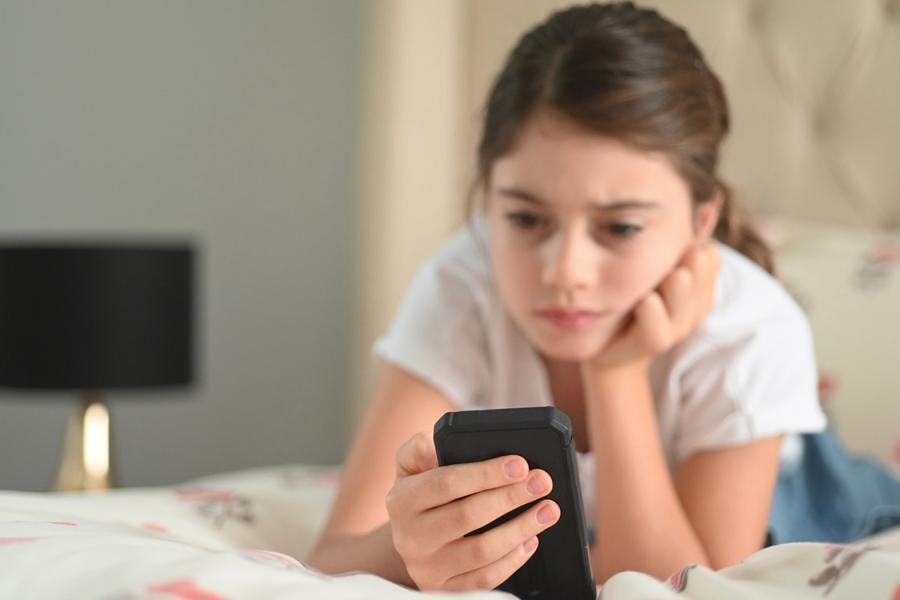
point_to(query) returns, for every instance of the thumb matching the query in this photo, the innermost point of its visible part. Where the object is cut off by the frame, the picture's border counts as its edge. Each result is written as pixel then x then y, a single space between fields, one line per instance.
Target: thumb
pixel 417 455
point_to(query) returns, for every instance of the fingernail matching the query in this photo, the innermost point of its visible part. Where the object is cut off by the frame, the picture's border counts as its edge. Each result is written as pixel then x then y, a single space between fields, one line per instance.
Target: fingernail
pixel 537 484
pixel 515 468
pixel 530 545
pixel 546 514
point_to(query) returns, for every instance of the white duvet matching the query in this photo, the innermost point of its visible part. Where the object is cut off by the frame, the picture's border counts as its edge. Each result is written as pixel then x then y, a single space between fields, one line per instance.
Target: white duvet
pixel 244 535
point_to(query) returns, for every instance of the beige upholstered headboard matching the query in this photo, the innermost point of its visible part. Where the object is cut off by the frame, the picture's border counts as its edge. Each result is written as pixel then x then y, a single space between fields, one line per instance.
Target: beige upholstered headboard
pixel 814 89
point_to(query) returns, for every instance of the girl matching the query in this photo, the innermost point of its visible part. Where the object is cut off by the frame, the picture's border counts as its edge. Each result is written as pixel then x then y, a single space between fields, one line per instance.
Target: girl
pixel 608 274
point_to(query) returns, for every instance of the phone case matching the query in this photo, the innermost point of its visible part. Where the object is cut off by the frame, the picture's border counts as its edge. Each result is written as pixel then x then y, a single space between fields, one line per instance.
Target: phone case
pixel 560 568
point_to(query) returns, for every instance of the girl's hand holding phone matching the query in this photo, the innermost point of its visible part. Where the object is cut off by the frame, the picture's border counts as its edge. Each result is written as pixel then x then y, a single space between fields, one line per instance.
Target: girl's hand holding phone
pixel 432 508
pixel 668 314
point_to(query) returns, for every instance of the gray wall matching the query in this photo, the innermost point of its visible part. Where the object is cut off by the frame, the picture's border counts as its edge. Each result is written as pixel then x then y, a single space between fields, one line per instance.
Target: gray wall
pixel 232 122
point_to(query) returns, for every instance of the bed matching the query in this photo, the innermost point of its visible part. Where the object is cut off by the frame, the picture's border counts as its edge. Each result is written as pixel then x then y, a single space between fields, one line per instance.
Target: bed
pixel 245 535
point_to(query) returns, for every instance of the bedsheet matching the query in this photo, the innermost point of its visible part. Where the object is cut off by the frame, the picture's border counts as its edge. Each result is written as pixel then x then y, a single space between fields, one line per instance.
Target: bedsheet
pixel 245 535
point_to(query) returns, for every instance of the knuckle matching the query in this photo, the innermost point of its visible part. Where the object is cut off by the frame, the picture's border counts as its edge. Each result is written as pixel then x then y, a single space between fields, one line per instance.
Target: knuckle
pixel 481 550
pixel 395 500
pixel 466 517
pixel 407 447
pixel 413 449
pixel 485 579
pixel 421 442
pixel 514 495
pixel 391 499
pixel 444 482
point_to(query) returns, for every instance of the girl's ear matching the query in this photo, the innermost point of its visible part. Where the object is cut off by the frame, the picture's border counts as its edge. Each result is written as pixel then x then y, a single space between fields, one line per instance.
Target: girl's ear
pixel 706 217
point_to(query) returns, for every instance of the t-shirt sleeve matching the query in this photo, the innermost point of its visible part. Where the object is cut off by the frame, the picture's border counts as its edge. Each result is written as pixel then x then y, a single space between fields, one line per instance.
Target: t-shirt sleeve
pixel 437 334
pixel 764 383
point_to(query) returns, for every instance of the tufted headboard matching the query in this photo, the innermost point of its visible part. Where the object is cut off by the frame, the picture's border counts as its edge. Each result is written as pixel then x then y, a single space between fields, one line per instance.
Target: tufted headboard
pixel 814 90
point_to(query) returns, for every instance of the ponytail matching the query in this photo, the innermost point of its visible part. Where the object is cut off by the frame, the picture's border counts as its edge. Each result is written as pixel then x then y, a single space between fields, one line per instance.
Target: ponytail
pixel 734 230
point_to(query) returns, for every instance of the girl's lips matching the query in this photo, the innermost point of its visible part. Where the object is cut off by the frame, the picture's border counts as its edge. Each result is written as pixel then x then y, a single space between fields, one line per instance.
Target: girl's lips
pixel 570 319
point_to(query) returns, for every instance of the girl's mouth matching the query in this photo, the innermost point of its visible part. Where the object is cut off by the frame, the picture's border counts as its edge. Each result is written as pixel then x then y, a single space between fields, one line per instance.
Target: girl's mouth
pixel 570 319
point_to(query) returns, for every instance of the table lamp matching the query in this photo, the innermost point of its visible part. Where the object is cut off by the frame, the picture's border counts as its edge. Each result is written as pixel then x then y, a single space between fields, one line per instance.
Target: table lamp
pixel 89 317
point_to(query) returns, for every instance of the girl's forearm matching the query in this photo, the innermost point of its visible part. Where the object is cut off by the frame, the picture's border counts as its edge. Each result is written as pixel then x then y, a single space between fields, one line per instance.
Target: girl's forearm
pixel 640 522
pixel 372 552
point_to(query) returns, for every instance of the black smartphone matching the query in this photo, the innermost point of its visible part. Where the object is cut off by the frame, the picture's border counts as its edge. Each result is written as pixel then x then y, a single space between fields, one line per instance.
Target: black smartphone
pixel 560 568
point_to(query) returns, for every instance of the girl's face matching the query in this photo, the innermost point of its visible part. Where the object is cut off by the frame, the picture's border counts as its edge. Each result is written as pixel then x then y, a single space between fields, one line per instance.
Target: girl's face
pixel 582 227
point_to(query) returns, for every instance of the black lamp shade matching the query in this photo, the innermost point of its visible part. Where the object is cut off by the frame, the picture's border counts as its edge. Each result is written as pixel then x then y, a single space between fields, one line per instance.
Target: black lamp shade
pixel 96 316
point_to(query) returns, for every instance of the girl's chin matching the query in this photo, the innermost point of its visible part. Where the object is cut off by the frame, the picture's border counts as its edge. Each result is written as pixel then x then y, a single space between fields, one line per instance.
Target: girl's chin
pixel 571 349
pixel 570 345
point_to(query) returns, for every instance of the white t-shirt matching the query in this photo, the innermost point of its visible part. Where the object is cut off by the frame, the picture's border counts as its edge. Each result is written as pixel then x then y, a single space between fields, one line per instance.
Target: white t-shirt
pixel 748 371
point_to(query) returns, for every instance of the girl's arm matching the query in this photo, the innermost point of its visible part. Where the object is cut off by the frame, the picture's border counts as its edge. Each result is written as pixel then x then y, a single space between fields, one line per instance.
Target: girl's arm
pixel 357 536
pixel 714 513
pixel 716 509
pixel 371 552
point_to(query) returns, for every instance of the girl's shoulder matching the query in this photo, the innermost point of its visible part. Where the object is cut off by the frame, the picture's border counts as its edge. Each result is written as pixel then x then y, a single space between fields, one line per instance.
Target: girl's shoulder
pixel 748 298
pixel 462 267
pixel 465 254
pixel 443 329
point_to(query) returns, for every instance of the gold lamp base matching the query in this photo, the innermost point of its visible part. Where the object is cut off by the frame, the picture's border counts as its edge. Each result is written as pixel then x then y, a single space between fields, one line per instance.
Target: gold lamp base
pixel 86 460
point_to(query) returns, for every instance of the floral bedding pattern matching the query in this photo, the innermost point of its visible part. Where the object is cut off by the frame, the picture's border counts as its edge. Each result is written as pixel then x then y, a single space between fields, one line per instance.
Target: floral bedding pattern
pixel 245 535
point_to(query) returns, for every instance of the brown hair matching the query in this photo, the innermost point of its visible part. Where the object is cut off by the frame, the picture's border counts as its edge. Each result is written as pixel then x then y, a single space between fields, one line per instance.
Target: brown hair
pixel 627 72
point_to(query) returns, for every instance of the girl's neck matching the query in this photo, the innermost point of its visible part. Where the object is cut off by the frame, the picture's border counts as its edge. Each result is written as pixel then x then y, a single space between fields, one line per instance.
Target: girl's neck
pixel 564 381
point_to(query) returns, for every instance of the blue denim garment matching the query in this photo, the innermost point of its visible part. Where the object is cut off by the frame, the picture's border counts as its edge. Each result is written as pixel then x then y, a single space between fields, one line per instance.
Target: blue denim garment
pixel 832 495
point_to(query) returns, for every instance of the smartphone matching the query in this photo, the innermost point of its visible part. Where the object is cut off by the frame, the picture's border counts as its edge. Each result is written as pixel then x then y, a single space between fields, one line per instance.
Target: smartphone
pixel 560 567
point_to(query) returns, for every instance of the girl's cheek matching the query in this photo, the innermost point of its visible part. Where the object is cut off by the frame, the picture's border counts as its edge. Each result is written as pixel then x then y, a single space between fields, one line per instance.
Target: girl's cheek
pixel 627 283
pixel 518 277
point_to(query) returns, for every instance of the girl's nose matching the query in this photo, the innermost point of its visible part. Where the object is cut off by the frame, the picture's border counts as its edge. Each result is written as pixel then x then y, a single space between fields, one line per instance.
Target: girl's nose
pixel 570 263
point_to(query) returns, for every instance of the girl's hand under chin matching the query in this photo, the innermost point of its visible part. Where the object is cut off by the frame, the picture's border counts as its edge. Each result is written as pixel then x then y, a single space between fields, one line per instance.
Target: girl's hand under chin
pixel 667 315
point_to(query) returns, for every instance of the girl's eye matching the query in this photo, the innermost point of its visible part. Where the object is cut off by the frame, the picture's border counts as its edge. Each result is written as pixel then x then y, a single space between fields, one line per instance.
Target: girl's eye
pixel 525 220
pixel 623 230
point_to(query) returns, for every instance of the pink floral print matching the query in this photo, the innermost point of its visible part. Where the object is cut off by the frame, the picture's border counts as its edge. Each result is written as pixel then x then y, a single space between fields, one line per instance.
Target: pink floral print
pixel 679 580
pixel 842 558
pixel 273 559
pixel 184 589
pixel 878 264
pixel 8 541
pixel 220 506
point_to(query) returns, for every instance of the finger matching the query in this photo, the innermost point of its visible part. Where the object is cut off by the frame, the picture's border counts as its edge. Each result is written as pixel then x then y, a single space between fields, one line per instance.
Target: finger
pixel 678 294
pixel 453 521
pixel 445 484
pixel 704 264
pixel 417 455
pixel 655 329
pixel 713 258
pixel 493 574
pixel 472 553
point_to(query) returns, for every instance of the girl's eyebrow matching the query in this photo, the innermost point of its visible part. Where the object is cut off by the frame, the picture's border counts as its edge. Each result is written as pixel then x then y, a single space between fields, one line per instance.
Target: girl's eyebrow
pixel 621 204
